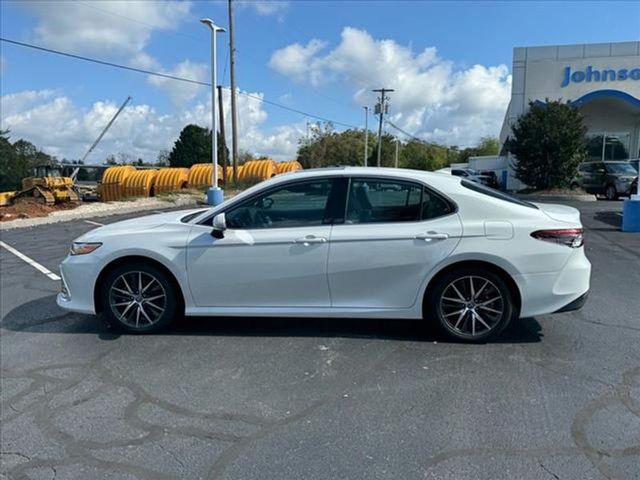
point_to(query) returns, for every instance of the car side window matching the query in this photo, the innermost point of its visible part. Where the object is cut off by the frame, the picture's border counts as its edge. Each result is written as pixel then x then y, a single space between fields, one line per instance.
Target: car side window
pixel 373 201
pixel 300 204
pixel 434 205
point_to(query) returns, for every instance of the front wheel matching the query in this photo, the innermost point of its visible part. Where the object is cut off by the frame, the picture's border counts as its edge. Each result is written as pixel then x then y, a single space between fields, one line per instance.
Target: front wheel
pixel 611 193
pixel 138 298
pixel 471 304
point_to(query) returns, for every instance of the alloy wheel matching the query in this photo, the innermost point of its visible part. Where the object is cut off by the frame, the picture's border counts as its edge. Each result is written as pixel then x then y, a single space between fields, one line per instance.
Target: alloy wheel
pixel 137 299
pixel 471 306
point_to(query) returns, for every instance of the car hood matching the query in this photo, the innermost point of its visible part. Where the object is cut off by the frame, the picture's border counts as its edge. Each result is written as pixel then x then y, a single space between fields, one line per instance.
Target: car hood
pixel 138 224
pixel 561 213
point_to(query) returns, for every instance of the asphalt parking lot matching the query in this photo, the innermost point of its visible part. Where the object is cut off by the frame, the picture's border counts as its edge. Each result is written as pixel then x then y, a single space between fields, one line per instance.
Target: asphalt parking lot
pixel 556 397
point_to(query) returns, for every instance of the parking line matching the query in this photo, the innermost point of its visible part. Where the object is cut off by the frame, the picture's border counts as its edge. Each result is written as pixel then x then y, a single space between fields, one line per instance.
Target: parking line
pixel 94 223
pixel 30 261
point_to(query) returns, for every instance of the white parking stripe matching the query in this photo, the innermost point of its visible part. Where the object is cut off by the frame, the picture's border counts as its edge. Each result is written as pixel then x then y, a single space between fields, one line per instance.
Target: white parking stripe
pixel 158 211
pixel 30 261
pixel 94 223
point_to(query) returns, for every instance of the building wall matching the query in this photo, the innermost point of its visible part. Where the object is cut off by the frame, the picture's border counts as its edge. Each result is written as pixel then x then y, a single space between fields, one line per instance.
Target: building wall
pixel 569 72
pixel 541 72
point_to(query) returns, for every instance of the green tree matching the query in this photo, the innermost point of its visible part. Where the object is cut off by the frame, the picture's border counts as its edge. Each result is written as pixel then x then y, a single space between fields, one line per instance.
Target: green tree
pixel 549 144
pixel 487 146
pixel 423 156
pixel 194 146
pixel 11 168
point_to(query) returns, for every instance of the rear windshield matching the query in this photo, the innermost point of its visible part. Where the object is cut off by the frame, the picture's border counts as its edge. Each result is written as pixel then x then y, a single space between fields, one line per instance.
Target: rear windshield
pixel 478 187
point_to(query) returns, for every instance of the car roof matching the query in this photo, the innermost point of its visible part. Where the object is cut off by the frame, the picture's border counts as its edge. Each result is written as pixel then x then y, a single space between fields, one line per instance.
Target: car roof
pixel 372 172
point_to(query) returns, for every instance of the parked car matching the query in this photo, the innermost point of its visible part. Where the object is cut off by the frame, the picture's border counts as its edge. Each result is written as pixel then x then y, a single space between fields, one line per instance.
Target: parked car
pixel 493 178
pixel 348 242
pixel 472 175
pixel 610 179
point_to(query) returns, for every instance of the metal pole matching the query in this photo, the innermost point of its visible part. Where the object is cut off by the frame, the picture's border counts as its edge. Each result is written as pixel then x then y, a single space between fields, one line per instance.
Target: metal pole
pixel 214 105
pixel 215 195
pixel 366 134
pixel 234 112
pixel 397 147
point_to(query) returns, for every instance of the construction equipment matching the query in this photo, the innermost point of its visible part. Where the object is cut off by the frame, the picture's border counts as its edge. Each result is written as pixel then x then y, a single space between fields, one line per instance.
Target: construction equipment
pixel 47 185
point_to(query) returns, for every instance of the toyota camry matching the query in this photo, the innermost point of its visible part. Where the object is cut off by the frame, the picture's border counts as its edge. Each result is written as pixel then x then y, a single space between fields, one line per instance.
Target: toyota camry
pixel 338 242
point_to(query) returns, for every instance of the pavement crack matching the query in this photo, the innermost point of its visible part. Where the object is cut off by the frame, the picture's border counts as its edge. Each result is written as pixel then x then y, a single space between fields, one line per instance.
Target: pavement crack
pixel 542 465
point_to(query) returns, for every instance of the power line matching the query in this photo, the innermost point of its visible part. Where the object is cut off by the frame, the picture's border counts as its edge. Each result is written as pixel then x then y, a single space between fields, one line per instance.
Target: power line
pixel 140 22
pixel 171 77
pixel 102 62
pixel 391 124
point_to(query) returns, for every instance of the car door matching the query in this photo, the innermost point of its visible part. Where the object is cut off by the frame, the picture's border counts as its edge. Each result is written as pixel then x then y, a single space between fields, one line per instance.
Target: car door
pixel 394 233
pixel 273 253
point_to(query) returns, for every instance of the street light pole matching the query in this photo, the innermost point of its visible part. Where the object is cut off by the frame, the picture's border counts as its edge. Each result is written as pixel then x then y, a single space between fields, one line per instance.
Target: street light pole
pixel 215 195
pixel 366 134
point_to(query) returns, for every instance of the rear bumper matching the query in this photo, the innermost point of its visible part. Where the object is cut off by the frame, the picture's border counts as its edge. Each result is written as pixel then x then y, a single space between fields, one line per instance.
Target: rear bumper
pixel 551 292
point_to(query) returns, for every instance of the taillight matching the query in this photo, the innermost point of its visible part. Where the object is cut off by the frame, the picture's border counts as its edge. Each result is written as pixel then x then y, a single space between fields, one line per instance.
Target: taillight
pixel 571 237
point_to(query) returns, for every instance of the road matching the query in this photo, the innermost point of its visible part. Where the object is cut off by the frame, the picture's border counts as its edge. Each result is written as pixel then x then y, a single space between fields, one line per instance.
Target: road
pixel 556 397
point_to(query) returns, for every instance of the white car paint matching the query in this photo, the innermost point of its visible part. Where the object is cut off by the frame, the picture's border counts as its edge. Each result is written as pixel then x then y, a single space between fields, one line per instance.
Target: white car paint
pixel 365 270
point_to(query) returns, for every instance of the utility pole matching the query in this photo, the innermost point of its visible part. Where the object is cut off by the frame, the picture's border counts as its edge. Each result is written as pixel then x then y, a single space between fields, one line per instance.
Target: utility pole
pixel 397 147
pixel 222 135
pixel 234 113
pixel 382 107
pixel 366 134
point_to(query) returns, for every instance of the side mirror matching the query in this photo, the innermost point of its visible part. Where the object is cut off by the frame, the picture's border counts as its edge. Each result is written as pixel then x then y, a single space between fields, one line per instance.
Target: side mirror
pixel 219 226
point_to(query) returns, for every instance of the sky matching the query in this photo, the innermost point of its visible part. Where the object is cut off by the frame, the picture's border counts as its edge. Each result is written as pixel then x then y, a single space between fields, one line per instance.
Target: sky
pixel 448 62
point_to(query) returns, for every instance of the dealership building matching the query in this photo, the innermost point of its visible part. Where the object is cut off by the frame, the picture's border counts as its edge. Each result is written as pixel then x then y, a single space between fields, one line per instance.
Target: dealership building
pixel 601 79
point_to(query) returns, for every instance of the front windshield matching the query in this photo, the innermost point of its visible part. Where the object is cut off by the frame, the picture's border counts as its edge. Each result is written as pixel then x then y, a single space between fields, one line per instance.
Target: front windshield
pixel 621 168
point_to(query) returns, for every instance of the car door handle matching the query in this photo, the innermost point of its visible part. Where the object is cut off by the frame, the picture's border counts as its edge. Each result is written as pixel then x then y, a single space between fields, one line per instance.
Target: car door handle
pixel 427 236
pixel 309 239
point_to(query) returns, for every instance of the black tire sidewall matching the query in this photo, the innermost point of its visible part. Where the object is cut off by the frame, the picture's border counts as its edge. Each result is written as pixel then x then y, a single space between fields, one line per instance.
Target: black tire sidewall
pixel 433 301
pixel 611 197
pixel 169 288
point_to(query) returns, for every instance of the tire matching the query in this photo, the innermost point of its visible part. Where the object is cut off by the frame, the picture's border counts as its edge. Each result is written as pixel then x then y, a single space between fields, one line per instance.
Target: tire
pixel 611 193
pixel 129 311
pixel 464 318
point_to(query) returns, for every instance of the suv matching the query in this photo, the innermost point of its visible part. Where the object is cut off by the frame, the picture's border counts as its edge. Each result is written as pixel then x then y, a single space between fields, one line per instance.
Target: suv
pixel 611 179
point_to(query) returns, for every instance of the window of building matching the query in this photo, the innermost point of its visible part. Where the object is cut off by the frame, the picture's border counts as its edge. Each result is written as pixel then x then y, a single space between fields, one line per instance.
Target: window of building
pixel 608 146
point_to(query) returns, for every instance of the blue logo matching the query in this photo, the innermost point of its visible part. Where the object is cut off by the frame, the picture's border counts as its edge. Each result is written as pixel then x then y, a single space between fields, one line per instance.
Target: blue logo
pixel 604 75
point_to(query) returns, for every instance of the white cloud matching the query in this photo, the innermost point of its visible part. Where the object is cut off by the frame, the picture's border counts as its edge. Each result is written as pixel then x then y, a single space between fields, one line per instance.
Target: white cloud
pixel 432 98
pixel 267 7
pixel 182 92
pixel 55 124
pixel 106 27
pixel 299 62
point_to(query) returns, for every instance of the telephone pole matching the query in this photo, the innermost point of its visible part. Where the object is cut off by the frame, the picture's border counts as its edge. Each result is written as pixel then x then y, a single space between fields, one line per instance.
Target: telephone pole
pixel 224 138
pixel 366 134
pixel 234 113
pixel 382 107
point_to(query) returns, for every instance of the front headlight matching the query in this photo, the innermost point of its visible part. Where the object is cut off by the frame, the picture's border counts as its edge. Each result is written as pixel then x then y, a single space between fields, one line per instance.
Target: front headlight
pixel 82 248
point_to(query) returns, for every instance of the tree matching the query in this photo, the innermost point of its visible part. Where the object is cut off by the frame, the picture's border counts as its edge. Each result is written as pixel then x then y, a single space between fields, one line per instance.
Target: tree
pixel 487 146
pixel 549 144
pixel 194 146
pixel 163 158
pixel 423 156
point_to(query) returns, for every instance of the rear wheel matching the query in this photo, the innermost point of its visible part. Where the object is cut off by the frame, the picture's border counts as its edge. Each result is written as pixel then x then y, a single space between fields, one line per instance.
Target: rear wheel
pixel 471 304
pixel 138 298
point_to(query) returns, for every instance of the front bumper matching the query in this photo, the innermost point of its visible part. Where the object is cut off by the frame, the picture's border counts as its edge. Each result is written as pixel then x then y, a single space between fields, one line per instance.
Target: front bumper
pixel 577 304
pixel 78 275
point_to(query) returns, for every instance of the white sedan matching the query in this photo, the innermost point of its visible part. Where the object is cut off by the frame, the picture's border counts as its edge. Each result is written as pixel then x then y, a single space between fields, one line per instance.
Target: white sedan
pixel 338 242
